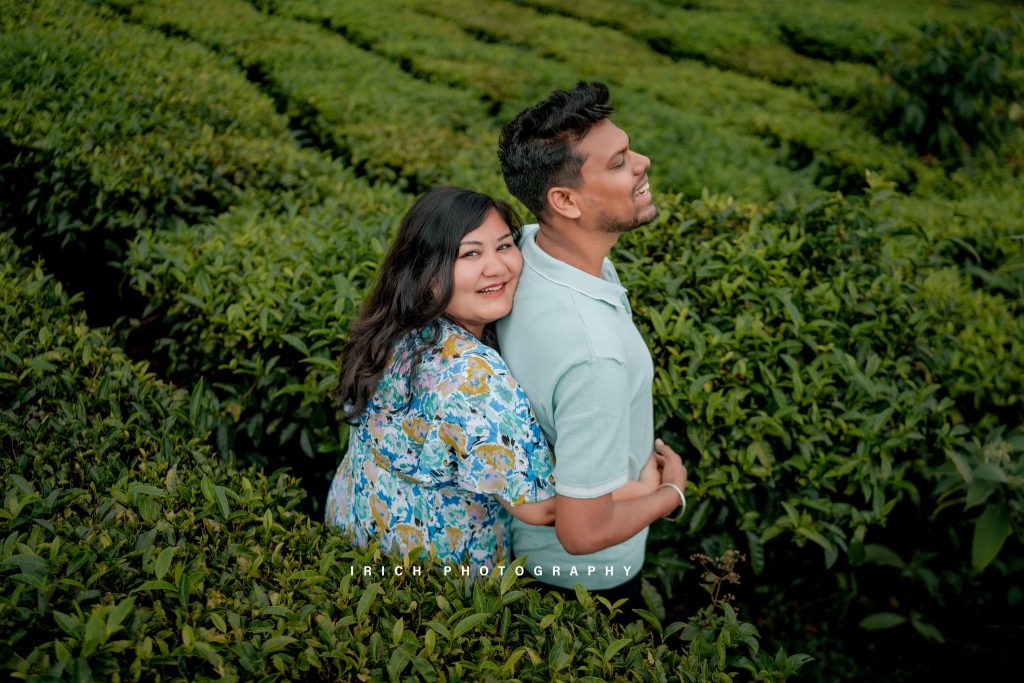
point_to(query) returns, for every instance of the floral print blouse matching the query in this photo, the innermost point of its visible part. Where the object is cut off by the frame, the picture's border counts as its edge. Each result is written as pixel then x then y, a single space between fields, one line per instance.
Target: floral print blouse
pixel 425 462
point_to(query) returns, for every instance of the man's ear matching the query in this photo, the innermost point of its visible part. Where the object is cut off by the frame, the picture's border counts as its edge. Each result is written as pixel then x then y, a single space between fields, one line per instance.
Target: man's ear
pixel 564 202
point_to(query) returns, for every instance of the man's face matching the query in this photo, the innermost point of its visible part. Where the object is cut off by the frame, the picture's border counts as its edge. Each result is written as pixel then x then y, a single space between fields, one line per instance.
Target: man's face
pixel 615 195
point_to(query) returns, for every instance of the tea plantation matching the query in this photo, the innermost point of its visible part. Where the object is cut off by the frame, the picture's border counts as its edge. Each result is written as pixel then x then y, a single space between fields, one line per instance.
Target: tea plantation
pixel 195 195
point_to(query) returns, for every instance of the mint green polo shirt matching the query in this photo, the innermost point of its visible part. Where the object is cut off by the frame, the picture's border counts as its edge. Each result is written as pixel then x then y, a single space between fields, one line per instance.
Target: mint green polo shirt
pixel 571 343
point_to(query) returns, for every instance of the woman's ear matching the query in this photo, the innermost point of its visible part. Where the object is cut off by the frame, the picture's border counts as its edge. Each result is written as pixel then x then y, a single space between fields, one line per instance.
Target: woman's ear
pixel 563 201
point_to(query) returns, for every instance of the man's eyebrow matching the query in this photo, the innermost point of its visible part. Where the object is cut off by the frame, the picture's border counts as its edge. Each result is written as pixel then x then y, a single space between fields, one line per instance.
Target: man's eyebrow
pixel 621 152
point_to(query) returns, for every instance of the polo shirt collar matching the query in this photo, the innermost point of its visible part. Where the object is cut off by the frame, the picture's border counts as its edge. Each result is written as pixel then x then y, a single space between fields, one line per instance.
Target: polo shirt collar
pixel 605 288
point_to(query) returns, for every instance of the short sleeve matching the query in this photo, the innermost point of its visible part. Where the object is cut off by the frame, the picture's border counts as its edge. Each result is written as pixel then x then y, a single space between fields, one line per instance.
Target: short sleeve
pixel 591 418
pixel 499 448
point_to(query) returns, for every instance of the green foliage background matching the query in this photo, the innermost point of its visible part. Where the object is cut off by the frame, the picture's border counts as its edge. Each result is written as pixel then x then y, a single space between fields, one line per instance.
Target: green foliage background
pixel 832 296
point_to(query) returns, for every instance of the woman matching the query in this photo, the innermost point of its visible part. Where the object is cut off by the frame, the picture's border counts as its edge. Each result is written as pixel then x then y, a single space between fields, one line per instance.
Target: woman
pixel 444 446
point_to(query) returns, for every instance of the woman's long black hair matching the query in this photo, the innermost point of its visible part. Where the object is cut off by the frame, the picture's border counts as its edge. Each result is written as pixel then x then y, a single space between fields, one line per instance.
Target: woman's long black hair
pixel 413 288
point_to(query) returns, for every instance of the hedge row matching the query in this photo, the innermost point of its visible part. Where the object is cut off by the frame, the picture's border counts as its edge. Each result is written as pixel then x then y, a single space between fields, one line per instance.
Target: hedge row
pixel 106 126
pixel 746 40
pixel 418 149
pixel 130 551
pixel 389 125
pixel 260 305
pixel 143 134
pixel 833 146
pixel 858 32
pixel 233 299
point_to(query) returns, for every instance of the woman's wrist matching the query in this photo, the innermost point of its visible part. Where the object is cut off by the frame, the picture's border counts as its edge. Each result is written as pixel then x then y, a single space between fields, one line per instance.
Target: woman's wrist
pixel 681 504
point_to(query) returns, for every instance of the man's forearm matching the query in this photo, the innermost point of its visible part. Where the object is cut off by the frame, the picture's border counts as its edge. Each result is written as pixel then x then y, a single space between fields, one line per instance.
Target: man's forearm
pixel 586 525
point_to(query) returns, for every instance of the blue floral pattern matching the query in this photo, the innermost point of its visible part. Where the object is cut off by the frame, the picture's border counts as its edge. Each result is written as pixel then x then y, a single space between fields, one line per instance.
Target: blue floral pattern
pixel 426 462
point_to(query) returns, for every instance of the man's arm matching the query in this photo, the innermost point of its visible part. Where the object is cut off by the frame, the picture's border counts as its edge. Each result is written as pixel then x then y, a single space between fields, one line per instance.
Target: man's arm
pixel 586 525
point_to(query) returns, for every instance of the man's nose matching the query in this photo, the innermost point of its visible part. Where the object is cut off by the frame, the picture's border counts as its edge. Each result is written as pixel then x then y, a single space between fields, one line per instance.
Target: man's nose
pixel 643 163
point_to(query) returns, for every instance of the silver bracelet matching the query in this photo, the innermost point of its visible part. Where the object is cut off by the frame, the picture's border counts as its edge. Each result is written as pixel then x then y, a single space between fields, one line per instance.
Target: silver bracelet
pixel 682 498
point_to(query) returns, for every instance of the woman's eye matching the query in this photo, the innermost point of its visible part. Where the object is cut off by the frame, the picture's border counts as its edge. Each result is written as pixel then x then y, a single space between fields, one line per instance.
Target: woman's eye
pixel 469 253
pixel 503 247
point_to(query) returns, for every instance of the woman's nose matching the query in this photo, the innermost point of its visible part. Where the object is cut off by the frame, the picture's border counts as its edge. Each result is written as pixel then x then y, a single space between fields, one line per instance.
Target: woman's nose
pixel 494 264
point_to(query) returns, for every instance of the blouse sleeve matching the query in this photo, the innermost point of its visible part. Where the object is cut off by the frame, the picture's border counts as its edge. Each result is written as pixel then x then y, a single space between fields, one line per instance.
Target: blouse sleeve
pixel 498 446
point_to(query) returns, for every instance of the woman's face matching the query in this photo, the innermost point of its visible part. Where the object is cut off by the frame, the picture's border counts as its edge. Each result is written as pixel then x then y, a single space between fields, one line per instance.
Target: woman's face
pixel 486 274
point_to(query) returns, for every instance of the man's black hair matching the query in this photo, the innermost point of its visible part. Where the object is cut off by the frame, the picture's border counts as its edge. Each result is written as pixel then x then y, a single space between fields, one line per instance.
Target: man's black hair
pixel 537 149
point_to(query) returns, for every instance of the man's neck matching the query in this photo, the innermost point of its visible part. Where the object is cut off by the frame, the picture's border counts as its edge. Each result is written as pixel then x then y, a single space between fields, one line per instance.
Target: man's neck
pixel 581 250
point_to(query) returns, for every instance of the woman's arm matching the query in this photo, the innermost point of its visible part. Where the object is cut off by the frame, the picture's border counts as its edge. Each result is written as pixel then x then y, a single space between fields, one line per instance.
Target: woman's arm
pixel 538 514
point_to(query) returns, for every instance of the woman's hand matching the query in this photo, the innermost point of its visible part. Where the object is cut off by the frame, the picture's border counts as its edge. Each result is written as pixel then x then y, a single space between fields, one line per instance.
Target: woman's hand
pixel 650 475
pixel 647 482
pixel 672 469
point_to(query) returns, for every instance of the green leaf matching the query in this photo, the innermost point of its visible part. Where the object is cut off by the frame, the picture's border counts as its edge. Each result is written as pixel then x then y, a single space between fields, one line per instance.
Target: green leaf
pixel 219 622
pixel 962 468
pixel 398 661
pixel 95 634
pixel 468 623
pixel 206 486
pixel 882 620
pixel 509 577
pixel 70 625
pixel 441 629
pixel 928 631
pixel 875 553
pixel 990 532
pixel 222 501
pixel 978 492
pixel 163 562
pixel 989 471
pixel 423 668
pixel 296 343
pixel 154 586
pixel 366 599
pixel 615 647
pixel 756 552
pixel 197 397
pixel 650 619
pixel 118 615
pixel 276 643
pixel 831 552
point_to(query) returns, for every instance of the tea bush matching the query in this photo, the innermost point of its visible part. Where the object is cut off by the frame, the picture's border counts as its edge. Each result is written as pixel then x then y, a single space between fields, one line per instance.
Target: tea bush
pixel 955 88
pixel 108 127
pixel 829 145
pixel 259 305
pixel 409 130
pixel 130 551
pixel 742 38
pixel 387 124
pixel 844 391
pixel 844 373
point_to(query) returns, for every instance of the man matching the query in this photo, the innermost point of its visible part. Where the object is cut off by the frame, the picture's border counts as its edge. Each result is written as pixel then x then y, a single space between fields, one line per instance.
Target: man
pixel 571 342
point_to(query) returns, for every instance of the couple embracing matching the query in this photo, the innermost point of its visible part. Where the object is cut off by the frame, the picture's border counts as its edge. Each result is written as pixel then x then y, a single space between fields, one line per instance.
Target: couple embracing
pixel 545 449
